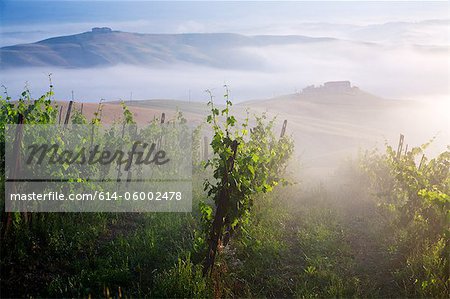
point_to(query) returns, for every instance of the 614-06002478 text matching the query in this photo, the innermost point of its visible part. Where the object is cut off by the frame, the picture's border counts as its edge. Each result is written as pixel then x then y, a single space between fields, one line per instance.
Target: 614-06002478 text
pixel 106 196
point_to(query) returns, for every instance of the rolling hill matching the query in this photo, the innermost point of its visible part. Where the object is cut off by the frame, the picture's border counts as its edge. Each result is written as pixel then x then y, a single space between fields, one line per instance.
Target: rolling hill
pixel 105 47
pixel 327 125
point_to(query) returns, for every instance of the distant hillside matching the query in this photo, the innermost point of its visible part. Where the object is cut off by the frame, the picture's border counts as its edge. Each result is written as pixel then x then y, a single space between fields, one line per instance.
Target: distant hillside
pixel 328 122
pixel 112 112
pixel 105 47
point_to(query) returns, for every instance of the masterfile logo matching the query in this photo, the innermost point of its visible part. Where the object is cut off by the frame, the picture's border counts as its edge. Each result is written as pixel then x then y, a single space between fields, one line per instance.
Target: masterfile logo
pixel 77 168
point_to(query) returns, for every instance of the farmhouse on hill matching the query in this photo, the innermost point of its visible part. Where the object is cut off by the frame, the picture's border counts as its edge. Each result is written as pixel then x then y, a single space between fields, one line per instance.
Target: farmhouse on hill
pixel 331 87
pixel 101 30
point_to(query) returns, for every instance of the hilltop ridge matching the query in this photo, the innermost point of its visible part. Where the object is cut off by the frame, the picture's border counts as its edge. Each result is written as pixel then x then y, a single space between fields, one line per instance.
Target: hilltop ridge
pixel 103 46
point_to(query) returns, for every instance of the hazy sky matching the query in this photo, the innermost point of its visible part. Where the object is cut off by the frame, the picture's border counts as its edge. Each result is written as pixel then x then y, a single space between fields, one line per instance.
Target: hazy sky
pixel 176 12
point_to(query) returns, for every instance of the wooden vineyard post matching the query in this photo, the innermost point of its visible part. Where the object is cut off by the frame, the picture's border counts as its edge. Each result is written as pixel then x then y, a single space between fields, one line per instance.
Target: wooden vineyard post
pixel 422 160
pixel 130 174
pixel 160 140
pixel 283 130
pixel 60 114
pixel 69 109
pixel 13 172
pixel 119 167
pixel 400 146
pixel 215 237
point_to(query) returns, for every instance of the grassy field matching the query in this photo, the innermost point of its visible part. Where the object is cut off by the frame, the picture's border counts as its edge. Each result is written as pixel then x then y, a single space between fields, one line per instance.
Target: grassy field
pixel 304 242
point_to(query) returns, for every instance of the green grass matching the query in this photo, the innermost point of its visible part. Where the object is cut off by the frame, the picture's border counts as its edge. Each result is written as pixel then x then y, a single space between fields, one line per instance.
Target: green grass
pixel 305 243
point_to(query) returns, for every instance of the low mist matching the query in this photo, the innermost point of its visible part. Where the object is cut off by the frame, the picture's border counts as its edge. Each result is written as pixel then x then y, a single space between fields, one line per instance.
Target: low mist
pixel 401 72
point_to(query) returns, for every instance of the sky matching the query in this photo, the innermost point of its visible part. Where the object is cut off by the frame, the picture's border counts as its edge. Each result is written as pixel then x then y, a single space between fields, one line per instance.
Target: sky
pixel 203 16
